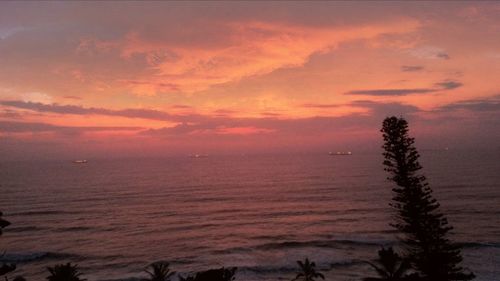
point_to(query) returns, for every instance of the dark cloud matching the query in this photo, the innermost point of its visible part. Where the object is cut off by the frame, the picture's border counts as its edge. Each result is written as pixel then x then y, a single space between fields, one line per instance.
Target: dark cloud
pixel 443 55
pixel 79 110
pixel 33 127
pixel 313 125
pixel 55 108
pixel 391 92
pixel 193 125
pixel 478 105
pixel 440 86
pixel 411 68
pixel 449 85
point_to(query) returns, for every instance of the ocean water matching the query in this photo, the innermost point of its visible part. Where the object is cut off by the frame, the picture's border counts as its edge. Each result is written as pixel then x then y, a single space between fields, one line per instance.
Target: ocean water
pixel 260 213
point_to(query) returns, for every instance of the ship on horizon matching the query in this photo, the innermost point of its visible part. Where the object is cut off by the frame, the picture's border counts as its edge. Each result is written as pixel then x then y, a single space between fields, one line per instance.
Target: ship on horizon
pixel 331 153
pixel 198 155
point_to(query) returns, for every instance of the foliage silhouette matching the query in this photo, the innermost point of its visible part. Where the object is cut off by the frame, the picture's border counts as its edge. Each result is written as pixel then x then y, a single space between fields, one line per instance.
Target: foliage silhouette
pixel 3 223
pixel 221 274
pixel 425 230
pixel 159 271
pixel 64 272
pixel 390 266
pixel 307 271
pixel 5 267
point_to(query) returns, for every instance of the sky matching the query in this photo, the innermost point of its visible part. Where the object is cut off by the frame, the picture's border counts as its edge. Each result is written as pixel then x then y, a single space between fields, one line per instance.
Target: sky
pixel 90 79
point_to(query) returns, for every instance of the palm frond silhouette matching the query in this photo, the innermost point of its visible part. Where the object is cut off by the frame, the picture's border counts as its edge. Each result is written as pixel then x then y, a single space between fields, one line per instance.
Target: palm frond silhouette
pixel 390 266
pixel 159 271
pixel 64 272
pixel 307 271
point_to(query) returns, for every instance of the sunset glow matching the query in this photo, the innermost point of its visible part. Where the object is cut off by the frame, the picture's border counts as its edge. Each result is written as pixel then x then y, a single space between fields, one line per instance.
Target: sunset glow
pixel 160 78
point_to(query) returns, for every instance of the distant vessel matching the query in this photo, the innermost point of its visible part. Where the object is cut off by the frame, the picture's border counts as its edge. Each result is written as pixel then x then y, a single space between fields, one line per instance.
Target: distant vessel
pixel 340 153
pixel 80 161
pixel 198 155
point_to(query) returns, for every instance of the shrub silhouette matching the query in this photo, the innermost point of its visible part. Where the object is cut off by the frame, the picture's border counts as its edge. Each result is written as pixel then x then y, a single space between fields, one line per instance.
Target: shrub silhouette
pixel 3 223
pixel 221 274
pixel 5 267
pixel 307 271
pixel 159 271
pixel 64 272
pixel 390 266
pixel 425 230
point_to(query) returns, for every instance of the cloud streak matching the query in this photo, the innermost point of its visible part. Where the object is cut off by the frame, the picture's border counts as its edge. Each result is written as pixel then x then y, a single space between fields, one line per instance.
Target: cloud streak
pixel 390 92
pixel 448 85
pixel 441 86
pixel 35 127
pixel 491 104
pixel 79 110
pixel 412 68
pixel 218 124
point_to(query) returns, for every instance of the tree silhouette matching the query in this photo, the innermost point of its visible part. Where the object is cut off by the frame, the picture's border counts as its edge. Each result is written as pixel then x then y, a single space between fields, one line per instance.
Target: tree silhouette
pixel 425 230
pixel 3 223
pixel 390 266
pixel 64 272
pixel 5 267
pixel 307 271
pixel 159 271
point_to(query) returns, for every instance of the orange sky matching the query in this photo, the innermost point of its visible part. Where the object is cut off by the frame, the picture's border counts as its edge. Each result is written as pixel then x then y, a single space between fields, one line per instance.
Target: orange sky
pixel 153 78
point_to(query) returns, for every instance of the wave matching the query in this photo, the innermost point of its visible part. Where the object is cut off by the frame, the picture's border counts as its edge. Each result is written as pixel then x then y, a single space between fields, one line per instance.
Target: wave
pixel 20 229
pixel 334 244
pixel 306 244
pixel 72 229
pixel 320 244
pixel 24 229
pixel 36 256
pixel 293 267
pixel 44 213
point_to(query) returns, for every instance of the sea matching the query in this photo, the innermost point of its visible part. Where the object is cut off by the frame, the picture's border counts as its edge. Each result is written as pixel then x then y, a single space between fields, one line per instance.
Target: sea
pixel 260 213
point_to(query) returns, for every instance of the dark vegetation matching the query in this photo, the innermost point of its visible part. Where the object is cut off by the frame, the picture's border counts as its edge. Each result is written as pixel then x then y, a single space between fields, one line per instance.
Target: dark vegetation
pixel 159 271
pixel 426 252
pixel 64 272
pixel 308 271
pixel 389 266
pixel 5 267
pixel 424 229
pixel 221 274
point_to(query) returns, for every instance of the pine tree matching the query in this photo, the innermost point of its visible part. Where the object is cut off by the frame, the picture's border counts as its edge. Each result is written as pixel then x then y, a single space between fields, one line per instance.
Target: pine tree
pixel 424 229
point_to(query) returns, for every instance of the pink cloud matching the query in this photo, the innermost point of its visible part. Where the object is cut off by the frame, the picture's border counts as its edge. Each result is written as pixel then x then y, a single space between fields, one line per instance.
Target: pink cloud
pixel 248 49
